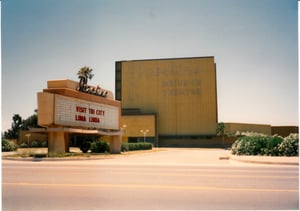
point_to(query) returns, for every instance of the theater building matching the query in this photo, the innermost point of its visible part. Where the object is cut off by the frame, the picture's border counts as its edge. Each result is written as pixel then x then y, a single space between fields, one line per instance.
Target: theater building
pixel 168 101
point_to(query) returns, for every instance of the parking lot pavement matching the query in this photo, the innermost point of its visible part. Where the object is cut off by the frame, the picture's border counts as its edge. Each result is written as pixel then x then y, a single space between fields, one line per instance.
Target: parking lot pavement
pixel 173 156
pixel 169 156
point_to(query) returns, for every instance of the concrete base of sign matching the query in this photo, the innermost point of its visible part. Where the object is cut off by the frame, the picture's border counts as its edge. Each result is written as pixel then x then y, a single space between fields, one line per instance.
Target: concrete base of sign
pixel 58 138
pixel 58 142
pixel 115 144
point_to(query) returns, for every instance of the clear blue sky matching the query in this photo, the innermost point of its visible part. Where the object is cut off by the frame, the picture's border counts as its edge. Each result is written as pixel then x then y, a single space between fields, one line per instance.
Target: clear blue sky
pixel 254 42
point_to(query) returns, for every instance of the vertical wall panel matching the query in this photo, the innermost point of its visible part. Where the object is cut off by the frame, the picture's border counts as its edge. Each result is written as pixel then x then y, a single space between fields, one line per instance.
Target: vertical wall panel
pixel 181 91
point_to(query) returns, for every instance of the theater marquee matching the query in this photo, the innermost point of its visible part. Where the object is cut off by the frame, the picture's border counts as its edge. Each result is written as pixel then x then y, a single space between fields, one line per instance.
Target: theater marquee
pixel 81 113
pixel 61 105
pixel 65 109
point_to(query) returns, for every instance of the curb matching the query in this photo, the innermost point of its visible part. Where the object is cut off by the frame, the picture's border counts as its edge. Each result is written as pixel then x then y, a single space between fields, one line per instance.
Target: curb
pixel 51 159
pixel 247 159
pixel 294 161
pixel 71 158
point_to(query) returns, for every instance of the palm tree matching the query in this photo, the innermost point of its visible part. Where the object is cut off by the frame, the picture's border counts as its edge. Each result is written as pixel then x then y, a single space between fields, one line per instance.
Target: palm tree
pixel 220 130
pixel 84 74
pixel 17 124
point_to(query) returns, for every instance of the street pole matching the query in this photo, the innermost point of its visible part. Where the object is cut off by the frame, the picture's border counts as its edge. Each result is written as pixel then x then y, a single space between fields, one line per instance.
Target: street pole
pixel 123 128
pixel 144 132
pixel 28 135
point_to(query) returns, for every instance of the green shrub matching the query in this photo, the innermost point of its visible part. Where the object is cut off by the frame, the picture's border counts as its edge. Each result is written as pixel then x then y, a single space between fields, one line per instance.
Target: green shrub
pixel 124 147
pixel 249 145
pixel 85 146
pixel 44 144
pixel 272 144
pixel 99 147
pixel 8 146
pixel 136 146
pixel 35 144
pixel 289 146
pixel 24 145
pixel 255 144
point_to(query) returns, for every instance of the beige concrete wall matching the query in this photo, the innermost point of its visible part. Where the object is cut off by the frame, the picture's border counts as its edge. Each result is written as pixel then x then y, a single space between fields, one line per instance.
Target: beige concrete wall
pixel 135 123
pixel 284 130
pixel 58 142
pixel 215 141
pixel 45 108
pixel 181 91
pixel 40 137
pixel 62 84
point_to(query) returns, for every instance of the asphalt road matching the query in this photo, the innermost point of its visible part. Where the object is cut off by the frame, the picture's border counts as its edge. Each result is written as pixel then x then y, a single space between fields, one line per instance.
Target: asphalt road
pixel 170 179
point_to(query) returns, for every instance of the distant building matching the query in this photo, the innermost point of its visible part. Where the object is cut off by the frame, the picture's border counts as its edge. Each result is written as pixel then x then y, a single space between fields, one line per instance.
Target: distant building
pixel 284 130
pixel 237 128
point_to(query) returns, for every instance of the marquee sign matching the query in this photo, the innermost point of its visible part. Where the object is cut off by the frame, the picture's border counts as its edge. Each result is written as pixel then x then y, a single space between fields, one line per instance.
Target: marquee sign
pixel 63 109
pixel 95 90
pixel 84 87
pixel 80 113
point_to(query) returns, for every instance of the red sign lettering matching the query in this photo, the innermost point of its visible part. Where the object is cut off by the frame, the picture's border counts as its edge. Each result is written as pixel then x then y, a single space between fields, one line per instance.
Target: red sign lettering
pixel 80 109
pixel 80 118
pixel 94 119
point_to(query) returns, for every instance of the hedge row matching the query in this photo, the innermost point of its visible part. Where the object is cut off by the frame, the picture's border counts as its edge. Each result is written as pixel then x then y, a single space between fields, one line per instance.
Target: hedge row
pixel 99 147
pixel 95 147
pixel 102 147
pixel 136 146
pixel 34 144
pixel 8 146
pixel 258 144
